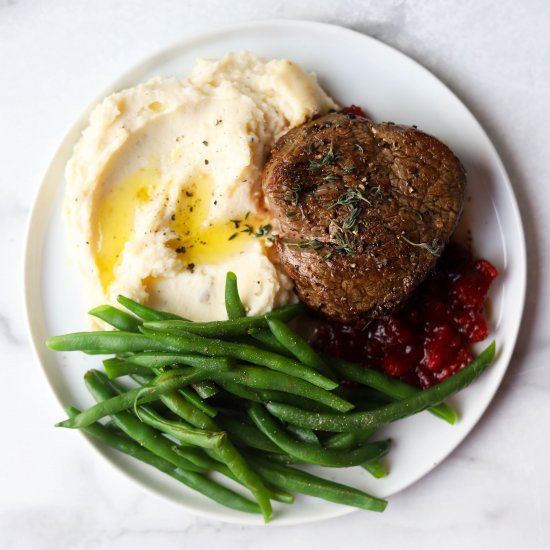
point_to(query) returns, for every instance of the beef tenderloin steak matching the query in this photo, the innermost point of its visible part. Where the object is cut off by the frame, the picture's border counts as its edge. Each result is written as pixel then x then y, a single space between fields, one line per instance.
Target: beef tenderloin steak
pixel 361 211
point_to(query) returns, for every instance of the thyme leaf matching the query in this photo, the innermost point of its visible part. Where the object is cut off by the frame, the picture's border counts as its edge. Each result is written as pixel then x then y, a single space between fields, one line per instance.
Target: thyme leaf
pixel 263 230
pixel 315 165
pixel 377 191
pixel 313 243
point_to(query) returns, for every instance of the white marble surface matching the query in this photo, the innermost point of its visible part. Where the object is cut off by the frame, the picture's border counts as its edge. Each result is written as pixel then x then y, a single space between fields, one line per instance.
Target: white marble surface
pixel 493 492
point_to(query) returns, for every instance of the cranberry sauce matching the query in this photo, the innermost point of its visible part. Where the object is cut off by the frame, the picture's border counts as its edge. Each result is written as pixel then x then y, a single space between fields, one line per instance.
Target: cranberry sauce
pixel 429 338
pixel 354 110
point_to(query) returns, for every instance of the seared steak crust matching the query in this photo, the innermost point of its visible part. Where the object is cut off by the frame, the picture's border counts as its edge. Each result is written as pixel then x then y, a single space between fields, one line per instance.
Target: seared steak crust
pixel 361 211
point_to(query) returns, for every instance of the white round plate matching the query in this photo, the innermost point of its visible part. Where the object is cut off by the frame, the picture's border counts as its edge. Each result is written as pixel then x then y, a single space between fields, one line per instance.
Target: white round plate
pixel 353 68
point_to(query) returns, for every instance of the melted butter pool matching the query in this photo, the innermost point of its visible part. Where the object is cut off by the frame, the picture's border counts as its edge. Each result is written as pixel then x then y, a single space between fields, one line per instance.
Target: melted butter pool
pixel 115 219
pixel 201 242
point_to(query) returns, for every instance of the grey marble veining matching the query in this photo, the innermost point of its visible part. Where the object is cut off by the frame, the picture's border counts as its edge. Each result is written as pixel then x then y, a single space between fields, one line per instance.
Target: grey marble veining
pixel 492 492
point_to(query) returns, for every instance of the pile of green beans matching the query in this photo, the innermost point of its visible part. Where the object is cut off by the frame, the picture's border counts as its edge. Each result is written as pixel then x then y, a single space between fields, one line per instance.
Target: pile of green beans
pixel 247 398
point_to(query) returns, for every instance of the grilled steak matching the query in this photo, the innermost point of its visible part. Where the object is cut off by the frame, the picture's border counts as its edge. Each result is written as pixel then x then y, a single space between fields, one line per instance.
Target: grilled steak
pixel 361 211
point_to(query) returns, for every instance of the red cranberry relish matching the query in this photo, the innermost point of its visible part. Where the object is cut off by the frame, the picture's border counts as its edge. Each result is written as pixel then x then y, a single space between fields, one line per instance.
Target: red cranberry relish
pixel 354 110
pixel 429 339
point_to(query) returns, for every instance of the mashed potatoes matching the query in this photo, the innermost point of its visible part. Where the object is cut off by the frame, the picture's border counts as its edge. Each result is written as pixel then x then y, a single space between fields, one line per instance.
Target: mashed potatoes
pixel 163 192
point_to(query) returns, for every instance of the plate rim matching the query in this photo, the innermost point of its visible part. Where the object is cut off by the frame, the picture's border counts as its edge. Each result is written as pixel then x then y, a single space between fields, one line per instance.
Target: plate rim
pixel 153 58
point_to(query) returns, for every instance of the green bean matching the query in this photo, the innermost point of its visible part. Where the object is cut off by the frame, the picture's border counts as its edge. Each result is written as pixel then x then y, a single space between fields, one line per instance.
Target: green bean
pixel 116 318
pixel 205 388
pixel 181 431
pixel 215 347
pixel 143 380
pixel 204 461
pixel 347 440
pixel 389 386
pixel 195 481
pixel 101 389
pixel 278 494
pixel 299 481
pixel 226 453
pixel 268 341
pixel 264 396
pixel 265 379
pixel 241 391
pixel 137 396
pixel 294 343
pixel 335 422
pixel 246 435
pixel 292 399
pixel 235 326
pixel 376 468
pixel 233 304
pixel 146 313
pixel 156 360
pixel 107 341
pixel 116 368
pixel 280 458
pixel 363 394
pixel 303 434
pixel 190 395
pixel 313 454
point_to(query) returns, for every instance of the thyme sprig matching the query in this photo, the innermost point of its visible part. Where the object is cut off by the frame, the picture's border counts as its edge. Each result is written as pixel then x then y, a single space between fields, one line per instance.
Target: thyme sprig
pixel 345 246
pixel 434 248
pixel 328 159
pixel 349 196
pixel 352 221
